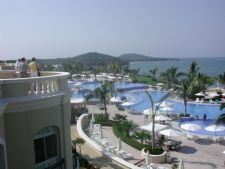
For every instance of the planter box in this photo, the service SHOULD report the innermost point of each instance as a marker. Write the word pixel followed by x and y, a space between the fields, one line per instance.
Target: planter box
pixel 161 158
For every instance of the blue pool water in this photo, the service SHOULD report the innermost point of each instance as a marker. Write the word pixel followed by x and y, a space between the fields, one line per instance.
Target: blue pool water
pixel 141 101
pixel 204 124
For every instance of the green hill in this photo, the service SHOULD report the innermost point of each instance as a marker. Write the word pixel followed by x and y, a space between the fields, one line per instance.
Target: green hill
pixel 88 59
pixel 132 57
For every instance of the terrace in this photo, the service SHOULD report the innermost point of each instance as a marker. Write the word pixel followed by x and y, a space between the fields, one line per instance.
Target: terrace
pixel 48 83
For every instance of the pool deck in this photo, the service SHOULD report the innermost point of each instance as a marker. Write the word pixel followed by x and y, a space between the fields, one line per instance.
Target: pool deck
pixel 199 155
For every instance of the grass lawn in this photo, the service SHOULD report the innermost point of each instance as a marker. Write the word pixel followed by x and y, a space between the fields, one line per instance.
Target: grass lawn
pixel 144 79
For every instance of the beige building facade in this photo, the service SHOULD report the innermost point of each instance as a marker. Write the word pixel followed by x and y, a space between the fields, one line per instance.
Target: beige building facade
pixel 35 121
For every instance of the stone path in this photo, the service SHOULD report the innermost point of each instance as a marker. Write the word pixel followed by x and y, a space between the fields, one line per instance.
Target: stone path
pixel 200 155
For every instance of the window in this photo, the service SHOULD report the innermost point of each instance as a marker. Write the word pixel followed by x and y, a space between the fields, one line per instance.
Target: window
pixel 46 145
pixel 2 157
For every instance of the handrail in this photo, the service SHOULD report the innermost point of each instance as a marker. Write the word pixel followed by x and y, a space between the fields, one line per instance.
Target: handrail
pixel 48 83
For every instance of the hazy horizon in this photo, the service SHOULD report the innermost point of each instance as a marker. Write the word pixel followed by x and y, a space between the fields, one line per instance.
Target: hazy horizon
pixel 55 29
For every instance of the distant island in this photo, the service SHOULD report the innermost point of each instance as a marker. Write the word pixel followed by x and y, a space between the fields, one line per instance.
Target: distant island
pixel 99 59
pixel 133 57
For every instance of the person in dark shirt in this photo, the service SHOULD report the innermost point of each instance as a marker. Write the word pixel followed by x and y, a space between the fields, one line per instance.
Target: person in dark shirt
pixel 204 116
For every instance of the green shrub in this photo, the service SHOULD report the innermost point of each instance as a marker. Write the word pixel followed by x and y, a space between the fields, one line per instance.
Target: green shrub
pixel 184 115
pixel 155 150
pixel 118 131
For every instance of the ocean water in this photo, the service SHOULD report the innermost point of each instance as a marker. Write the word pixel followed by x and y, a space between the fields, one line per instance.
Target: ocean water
pixel 209 66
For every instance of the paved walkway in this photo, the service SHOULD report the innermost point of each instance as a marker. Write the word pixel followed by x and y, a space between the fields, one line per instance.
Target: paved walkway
pixel 94 156
pixel 200 155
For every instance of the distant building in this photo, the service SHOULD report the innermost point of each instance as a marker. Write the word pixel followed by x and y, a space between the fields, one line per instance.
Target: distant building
pixel 35 121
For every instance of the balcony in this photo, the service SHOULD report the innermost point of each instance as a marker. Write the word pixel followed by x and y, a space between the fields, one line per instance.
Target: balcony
pixel 47 84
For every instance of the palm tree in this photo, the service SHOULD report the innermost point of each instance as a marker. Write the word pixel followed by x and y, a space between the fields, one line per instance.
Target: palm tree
pixel 171 76
pixel 120 118
pixel 115 68
pixel 128 126
pixel 184 93
pixel 142 136
pixel 193 70
pixel 153 72
pixel 102 93
pixel 154 112
pixel 78 142
pixel 222 106
pixel 222 78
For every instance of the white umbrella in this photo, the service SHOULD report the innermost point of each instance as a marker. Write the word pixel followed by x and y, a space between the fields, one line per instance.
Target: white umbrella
pixel 223 152
pixel 160 84
pixel 171 132
pixel 213 95
pixel 190 127
pixel 215 128
pixel 147 112
pixel 200 94
pixel 115 100
pixel 223 94
pixel 162 118
pixel 167 109
pixel 128 104
pixel 157 127
pixel 119 146
pixel 78 84
pixel 164 104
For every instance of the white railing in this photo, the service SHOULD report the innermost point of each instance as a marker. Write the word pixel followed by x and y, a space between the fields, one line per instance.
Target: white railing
pixel 47 83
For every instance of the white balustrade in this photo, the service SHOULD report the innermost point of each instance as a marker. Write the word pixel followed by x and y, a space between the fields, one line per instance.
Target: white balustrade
pixel 49 83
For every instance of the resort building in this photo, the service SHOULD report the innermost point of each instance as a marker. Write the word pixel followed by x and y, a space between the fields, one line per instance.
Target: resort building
pixel 35 121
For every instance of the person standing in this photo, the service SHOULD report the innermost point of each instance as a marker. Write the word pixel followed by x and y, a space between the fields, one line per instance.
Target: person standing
pixel 17 64
pixel 23 68
pixel 33 66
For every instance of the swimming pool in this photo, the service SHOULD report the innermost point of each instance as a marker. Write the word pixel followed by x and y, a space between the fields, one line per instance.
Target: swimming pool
pixel 141 101
pixel 203 124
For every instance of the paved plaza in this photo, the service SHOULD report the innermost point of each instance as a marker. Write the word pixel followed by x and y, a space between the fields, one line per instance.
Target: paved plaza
pixel 200 155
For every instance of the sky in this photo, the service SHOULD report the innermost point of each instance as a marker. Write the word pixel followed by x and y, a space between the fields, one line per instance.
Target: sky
pixel 156 28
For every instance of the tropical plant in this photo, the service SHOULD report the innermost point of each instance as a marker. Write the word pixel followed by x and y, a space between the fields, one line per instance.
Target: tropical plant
pixel 78 142
pixel 142 136
pixel 222 78
pixel 128 125
pixel 115 68
pixel 220 119
pixel 102 93
pixel 155 108
pixel 119 118
pixel 153 72
pixel 193 70
pixel 222 106
pixel 171 76
pixel 184 93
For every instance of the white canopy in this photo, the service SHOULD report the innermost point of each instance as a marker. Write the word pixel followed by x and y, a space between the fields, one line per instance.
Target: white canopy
pixel 160 84
pixel 78 84
pixel 215 128
pixel 115 100
pixel 171 132
pixel 223 94
pixel 164 104
pixel 158 127
pixel 200 94
pixel 213 95
pixel 162 118
pixel 147 112
pixel 77 100
pixel 167 109
pixel 190 127
pixel 128 104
